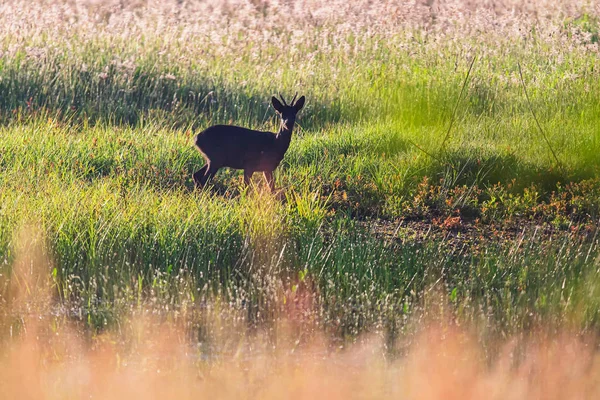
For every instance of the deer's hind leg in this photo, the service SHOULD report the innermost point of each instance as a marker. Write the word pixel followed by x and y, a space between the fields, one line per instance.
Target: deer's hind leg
pixel 210 172
pixel 203 175
pixel 248 176
pixel 199 175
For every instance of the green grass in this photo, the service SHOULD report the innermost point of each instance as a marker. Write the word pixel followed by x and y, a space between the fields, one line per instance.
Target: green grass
pixel 97 152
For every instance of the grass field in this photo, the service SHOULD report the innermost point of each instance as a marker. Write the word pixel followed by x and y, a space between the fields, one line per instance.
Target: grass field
pixel 444 171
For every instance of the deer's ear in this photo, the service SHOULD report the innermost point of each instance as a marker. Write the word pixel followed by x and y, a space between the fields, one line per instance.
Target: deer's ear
pixel 277 104
pixel 299 104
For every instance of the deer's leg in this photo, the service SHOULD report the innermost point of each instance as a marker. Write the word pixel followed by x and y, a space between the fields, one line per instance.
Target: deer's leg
pixel 270 181
pixel 210 172
pixel 247 176
pixel 198 175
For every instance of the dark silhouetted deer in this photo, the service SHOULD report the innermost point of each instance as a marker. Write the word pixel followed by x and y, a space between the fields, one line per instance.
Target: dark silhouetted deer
pixel 242 148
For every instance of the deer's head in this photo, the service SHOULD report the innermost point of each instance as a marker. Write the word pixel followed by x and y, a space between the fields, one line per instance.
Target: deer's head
pixel 287 112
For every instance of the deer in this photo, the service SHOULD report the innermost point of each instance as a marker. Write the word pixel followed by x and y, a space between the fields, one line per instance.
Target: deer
pixel 250 150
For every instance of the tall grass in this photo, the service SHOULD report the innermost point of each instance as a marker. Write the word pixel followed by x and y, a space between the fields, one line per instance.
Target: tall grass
pixel 442 363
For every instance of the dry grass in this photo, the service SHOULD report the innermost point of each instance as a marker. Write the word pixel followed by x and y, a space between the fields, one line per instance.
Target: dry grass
pixel 443 363
pixel 153 356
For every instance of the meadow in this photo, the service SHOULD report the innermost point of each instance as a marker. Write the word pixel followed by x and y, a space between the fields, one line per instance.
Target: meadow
pixel 444 172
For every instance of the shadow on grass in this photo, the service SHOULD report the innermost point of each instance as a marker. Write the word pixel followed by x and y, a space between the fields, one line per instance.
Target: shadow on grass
pixel 339 146
pixel 461 168
pixel 147 97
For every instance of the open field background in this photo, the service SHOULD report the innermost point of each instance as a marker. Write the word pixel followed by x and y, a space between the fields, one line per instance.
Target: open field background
pixel 418 187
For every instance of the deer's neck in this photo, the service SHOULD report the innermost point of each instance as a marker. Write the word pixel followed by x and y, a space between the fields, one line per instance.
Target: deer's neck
pixel 284 137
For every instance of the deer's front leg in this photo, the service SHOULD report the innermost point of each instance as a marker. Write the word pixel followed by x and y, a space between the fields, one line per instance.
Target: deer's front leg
pixel 247 176
pixel 270 181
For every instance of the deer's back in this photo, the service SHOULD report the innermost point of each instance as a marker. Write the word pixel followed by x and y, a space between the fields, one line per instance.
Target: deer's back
pixel 237 147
